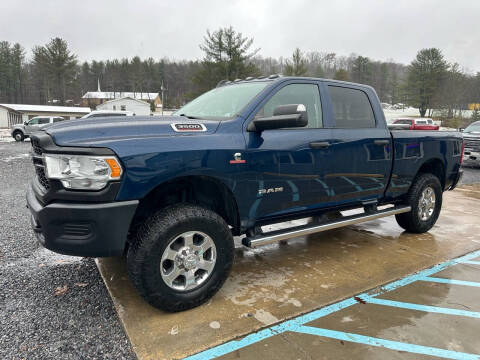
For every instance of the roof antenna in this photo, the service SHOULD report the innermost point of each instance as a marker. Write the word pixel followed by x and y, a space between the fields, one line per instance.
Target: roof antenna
pixel 98 89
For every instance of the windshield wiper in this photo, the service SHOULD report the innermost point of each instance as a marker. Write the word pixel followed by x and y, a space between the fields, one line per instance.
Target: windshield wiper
pixel 189 116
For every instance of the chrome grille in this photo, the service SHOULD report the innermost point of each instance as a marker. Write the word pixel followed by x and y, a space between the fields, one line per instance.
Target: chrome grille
pixel 37 159
pixel 472 143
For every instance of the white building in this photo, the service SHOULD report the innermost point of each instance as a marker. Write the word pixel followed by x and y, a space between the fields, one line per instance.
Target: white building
pixel 12 114
pixel 138 107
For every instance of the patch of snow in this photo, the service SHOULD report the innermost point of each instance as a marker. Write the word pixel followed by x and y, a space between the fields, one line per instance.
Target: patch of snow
pixel 174 330
pixel 15 157
pixel 5 135
pixel 265 317
pixel 215 325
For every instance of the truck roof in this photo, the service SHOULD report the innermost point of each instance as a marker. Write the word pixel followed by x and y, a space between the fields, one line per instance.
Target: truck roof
pixel 281 78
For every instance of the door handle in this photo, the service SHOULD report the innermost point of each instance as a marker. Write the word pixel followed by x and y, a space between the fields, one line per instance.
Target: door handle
pixel 319 144
pixel 381 142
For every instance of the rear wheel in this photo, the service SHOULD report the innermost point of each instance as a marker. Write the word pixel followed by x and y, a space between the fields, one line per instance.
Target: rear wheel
pixel 425 199
pixel 181 257
pixel 18 136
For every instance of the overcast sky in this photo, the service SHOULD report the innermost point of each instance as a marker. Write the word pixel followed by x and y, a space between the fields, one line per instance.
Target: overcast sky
pixel 381 30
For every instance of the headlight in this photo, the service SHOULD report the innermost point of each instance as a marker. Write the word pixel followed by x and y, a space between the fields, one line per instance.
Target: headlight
pixel 82 172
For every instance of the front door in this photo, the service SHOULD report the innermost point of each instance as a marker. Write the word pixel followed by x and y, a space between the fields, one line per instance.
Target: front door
pixel 286 162
pixel 36 124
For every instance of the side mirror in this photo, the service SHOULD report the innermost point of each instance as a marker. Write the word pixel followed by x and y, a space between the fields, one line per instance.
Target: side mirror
pixel 284 116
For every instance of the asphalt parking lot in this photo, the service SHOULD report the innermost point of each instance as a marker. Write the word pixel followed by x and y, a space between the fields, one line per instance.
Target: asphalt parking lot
pixel 54 306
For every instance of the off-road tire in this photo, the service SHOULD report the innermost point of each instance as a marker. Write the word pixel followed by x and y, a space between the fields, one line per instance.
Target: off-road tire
pixel 411 221
pixel 20 136
pixel 154 235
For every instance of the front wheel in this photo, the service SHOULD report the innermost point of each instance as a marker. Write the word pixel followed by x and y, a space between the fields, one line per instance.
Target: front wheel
pixel 18 136
pixel 181 257
pixel 425 199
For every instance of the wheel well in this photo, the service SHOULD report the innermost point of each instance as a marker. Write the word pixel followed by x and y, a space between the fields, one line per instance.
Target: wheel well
pixel 435 167
pixel 199 190
pixel 18 130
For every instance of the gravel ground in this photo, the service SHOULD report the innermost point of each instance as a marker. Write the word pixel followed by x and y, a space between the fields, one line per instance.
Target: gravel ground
pixel 54 306
pixel 51 306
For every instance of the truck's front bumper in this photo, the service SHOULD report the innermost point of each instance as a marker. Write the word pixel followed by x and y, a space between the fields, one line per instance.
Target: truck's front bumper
pixel 82 229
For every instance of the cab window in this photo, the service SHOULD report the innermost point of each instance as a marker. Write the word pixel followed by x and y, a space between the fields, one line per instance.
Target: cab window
pixel 351 108
pixel 42 121
pixel 306 94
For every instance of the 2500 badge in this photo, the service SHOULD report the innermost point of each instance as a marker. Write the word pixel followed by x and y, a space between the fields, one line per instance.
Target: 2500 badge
pixel 188 127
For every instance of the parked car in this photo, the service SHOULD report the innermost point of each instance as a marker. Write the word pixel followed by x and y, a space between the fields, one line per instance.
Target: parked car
pixel 471 137
pixel 21 131
pixel 414 124
pixel 107 113
pixel 172 192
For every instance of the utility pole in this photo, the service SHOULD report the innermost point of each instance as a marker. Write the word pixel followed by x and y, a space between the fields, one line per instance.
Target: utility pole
pixel 162 90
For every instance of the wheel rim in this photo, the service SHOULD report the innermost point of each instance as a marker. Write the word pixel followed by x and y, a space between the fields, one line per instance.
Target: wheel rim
pixel 426 204
pixel 18 137
pixel 188 260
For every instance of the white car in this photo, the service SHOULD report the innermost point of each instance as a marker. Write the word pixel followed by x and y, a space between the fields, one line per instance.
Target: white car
pixel 107 113
pixel 21 131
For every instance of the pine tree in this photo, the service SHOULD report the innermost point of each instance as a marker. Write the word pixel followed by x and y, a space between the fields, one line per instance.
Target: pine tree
pixel 297 66
pixel 56 68
pixel 425 75
pixel 227 57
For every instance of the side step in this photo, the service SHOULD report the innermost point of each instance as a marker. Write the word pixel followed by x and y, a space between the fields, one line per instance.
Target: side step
pixel 279 235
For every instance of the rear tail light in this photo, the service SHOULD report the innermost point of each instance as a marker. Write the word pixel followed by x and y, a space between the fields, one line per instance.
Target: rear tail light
pixel 463 149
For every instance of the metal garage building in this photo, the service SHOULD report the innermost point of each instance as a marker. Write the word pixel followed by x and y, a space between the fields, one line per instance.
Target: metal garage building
pixel 11 114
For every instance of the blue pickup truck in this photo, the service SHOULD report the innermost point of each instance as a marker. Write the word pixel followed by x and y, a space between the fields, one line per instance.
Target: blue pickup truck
pixel 171 192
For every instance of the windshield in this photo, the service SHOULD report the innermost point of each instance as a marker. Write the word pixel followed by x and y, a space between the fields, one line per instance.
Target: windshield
pixel 223 102
pixel 473 128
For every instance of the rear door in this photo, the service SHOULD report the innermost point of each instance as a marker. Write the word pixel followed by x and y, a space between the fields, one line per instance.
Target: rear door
pixel 360 145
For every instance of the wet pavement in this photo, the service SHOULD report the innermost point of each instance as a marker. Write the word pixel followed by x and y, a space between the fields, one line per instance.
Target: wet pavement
pixel 270 285
pixel 410 318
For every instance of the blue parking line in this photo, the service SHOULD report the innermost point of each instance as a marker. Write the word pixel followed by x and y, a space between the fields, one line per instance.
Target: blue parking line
pixel 419 307
pixel 471 262
pixel 289 325
pixel 450 281
pixel 297 323
pixel 389 344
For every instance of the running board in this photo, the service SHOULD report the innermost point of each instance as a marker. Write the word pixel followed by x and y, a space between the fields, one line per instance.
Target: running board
pixel 279 235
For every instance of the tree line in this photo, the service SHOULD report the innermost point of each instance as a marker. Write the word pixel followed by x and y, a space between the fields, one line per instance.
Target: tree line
pixel 54 75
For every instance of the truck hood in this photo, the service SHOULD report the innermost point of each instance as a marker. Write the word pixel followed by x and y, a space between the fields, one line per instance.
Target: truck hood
pixel 99 131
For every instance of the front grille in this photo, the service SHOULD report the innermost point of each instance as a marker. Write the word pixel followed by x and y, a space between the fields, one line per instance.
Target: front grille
pixel 37 159
pixel 472 143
